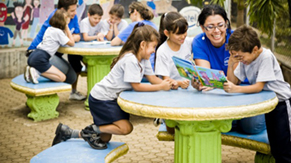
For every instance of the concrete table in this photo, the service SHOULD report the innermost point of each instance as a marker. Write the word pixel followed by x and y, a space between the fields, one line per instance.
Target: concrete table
pixel 198 117
pixel 98 58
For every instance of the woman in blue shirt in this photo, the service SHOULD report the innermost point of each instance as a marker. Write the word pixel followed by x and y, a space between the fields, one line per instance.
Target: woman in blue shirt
pixel 209 50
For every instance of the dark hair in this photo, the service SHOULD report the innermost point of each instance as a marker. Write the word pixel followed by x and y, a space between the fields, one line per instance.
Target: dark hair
pixel 95 9
pixel 142 9
pixel 173 22
pixel 139 33
pixel 117 10
pixel 243 39
pixel 58 19
pixel 17 4
pixel 209 10
pixel 66 4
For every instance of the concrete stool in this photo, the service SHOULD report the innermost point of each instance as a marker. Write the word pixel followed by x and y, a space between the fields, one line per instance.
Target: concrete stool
pixel 79 151
pixel 258 142
pixel 42 98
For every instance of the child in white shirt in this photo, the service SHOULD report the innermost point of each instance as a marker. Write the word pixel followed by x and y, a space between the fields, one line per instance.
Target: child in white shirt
pixel 91 26
pixel 56 35
pixel 260 67
pixel 127 71
pixel 115 23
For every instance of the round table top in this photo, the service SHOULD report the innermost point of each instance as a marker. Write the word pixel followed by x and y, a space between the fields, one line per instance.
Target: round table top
pixel 189 104
pixel 90 48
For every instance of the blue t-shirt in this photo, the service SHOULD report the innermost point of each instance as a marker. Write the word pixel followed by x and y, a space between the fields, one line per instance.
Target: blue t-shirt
pixel 127 31
pixel 4 35
pixel 217 57
pixel 73 26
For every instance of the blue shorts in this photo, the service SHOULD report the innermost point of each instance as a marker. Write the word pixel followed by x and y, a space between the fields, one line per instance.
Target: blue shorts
pixel 106 112
pixel 39 59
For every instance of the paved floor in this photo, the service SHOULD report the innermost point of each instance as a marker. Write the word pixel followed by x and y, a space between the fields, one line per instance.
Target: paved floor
pixel 21 138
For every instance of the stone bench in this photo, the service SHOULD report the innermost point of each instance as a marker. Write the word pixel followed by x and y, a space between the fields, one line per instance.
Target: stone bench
pixel 42 98
pixel 77 150
pixel 258 142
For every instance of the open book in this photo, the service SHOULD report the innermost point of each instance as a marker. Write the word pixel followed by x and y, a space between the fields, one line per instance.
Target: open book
pixel 207 77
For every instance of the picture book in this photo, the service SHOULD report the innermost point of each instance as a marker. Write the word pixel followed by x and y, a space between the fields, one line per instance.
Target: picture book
pixel 207 77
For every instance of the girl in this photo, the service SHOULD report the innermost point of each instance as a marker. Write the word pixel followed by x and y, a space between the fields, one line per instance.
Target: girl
pixel 56 35
pixel 115 24
pixel 126 73
pixel 173 32
pixel 209 49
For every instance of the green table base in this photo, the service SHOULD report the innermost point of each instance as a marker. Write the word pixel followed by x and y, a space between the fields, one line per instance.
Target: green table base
pixel 198 141
pixel 97 68
pixel 43 107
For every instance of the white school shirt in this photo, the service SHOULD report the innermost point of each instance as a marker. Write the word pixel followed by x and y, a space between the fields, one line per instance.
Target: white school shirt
pixel 121 26
pixel 165 65
pixel 127 70
pixel 52 39
pixel 265 69
pixel 86 27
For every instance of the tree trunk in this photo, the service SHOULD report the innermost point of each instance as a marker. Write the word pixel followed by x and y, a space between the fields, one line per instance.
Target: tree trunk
pixel 240 13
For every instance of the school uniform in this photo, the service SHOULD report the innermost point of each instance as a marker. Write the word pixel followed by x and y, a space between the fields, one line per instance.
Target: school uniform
pixel 103 96
pixel 165 65
pixel 266 69
pixel 86 27
pixel 121 26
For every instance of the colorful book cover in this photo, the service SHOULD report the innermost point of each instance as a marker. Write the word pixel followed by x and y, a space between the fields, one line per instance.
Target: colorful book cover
pixel 207 77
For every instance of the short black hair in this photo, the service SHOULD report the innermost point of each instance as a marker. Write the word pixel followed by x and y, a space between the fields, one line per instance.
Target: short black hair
pixel 95 9
pixel 66 4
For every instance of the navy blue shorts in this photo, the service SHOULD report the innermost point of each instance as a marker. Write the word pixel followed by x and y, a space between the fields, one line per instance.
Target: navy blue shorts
pixel 106 112
pixel 39 59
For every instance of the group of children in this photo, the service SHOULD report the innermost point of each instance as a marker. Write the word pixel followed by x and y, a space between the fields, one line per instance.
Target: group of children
pixel 247 60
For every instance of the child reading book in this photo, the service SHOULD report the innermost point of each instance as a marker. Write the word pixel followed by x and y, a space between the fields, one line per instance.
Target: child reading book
pixel 263 71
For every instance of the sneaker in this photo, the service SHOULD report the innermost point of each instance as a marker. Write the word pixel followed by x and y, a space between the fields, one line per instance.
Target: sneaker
pixel 157 121
pixel 77 96
pixel 63 133
pixel 34 75
pixel 26 75
pixel 93 138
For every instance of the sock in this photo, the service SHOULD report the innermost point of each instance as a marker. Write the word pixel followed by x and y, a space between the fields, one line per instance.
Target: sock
pixel 74 90
pixel 96 129
pixel 75 134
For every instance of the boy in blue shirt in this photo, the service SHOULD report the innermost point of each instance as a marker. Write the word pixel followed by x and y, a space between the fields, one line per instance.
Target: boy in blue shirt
pixel 75 60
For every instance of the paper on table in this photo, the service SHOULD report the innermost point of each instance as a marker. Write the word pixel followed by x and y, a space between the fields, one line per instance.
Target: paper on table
pixel 97 42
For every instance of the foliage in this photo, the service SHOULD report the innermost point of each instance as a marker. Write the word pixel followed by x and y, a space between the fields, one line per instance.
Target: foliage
pixel 264 13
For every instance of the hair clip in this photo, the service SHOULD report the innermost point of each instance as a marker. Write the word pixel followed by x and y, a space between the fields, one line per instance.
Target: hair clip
pixel 139 24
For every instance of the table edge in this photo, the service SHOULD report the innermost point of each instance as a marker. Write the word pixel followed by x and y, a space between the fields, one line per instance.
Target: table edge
pixel 197 114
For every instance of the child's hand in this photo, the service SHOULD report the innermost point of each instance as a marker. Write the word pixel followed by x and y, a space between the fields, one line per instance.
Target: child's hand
pixel 184 84
pixel 229 87
pixel 100 37
pixel 166 85
pixel 175 84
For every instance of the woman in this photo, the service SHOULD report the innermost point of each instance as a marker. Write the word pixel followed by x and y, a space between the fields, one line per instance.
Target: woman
pixel 209 50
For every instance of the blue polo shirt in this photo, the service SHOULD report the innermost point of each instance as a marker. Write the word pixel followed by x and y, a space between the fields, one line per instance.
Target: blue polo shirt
pixel 73 26
pixel 217 57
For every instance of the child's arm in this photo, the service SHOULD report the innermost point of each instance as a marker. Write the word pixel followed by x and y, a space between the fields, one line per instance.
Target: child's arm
pixel 232 64
pixel 140 87
pixel 89 38
pixel 71 41
pixel 232 88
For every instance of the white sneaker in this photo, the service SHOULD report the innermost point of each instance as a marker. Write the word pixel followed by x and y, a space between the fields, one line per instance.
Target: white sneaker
pixel 34 75
pixel 77 96
pixel 26 75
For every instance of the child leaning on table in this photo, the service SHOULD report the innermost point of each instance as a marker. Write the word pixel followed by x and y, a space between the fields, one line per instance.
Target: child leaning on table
pixel 39 60
pixel 91 26
pixel 260 67
pixel 114 24
pixel 126 73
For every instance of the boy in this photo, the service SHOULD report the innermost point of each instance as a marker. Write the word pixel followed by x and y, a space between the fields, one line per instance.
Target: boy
pixel 91 26
pixel 115 23
pixel 75 60
pixel 261 68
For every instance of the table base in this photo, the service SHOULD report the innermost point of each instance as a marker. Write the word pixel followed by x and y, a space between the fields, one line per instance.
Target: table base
pixel 198 141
